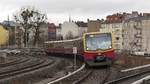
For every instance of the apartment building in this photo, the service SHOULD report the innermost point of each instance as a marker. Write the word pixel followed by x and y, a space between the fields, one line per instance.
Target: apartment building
pixel 116 28
pixel 136 34
pixel 116 23
pixel 113 23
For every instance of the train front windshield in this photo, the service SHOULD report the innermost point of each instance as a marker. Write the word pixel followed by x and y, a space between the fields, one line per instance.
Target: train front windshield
pixel 98 41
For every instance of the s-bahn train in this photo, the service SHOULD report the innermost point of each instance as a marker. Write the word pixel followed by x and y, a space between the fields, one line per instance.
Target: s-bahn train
pixel 95 48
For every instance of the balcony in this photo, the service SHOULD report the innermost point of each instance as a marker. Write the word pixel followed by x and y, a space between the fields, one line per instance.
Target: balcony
pixel 138 43
pixel 137 27
pixel 138 35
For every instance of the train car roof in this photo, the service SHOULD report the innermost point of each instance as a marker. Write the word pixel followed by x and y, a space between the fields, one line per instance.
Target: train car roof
pixel 96 33
pixel 64 40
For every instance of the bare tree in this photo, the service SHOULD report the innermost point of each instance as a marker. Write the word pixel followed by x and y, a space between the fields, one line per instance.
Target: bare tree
pixel 37 20
pixel 23 17
pixel 30 18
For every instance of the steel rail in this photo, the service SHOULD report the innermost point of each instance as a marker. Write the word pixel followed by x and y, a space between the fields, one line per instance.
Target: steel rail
pixel 70 74
pixel 127 77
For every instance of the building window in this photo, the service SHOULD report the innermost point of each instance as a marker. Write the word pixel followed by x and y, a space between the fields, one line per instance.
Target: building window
pixel 122 35
pixel 117 38
pixel 116 18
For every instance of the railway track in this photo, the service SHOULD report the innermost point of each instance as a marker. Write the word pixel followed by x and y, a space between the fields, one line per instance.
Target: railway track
pixel 21 66
pixel 130 78
pixel 98 76
pixel 78 81
pixel 84 76
pixel 24 69
pixel 130 75
pixel 109 75
pixel 29 67
pixel 26 63
pixel 16 60
pixel 69 78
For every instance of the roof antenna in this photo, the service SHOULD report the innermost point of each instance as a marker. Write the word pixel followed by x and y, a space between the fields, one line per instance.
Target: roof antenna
pixel 8 21
pixel 69 18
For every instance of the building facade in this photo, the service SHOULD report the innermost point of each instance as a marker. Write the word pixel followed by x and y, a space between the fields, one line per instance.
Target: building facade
pixel 116 23
pixel 116 28
pixel 58 32
pixel 136 34
pixel 93 25
pixel 4 36
pixel 51 31
pixel 19 36
pixel 43 33
pixel 82 27
pixel 69 30
pixel 15 33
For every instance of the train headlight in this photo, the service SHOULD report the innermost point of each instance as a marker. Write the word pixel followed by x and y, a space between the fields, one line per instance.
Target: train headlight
pixel 91 35
pixel 87 48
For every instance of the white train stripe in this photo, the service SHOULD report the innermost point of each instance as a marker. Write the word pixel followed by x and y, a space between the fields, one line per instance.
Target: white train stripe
pixel 63 40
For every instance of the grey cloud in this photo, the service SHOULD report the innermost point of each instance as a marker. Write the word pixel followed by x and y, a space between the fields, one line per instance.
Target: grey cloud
pixel 83 8
pixel 59 6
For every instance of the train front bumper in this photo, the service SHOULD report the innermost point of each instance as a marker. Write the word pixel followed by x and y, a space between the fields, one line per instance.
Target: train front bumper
pixel 100 58
pixel 98 63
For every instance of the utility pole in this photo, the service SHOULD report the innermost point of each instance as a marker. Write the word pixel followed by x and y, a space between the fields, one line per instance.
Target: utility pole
pixel 8 25
pixel 75 57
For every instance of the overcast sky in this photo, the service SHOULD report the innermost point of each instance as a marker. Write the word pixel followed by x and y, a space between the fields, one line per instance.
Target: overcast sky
pixel 59 10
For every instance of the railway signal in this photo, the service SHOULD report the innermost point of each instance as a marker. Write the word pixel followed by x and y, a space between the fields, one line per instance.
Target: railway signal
pixel 75 56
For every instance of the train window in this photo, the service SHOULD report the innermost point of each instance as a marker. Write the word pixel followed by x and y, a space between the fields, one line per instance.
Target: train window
pixel 98 41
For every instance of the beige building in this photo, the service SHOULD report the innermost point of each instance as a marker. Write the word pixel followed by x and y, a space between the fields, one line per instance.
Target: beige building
pixel 93 25
pixel 19 31
pixel 136 34
pixel 58 32
pixel 116 28
pixel 4 35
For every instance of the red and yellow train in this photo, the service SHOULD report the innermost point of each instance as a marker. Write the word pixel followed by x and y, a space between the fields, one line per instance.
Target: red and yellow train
pixel 95 48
